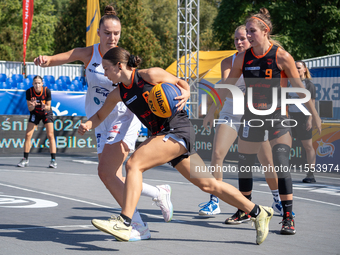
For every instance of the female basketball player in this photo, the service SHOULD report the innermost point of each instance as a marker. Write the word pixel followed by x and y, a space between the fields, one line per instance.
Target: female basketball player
pixel 226 134
pixel 264 66
pixel 303 130
pixel 117 135
pixel 39 104
pixel 171 141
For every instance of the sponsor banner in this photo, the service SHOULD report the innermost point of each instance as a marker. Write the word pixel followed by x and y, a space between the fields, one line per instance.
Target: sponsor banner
pixel 205 138
pixel 63 103
pixel 27 17
pixel 328 89
pixel 92 22
pixel 13 131
pixel 327 145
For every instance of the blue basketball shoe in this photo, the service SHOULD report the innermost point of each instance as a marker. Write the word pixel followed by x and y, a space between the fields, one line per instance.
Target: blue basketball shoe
pixel 209 209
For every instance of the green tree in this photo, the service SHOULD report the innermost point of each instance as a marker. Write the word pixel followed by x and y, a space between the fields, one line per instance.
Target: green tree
pixel 71 29
pixel 41 39
pixel 161 18
pixel 136 37
pixel 208 13
pixel 305 29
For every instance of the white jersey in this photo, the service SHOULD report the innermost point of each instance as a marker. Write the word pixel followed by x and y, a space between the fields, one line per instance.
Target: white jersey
pixel 99 86
pixel 228 103
pixel 121 124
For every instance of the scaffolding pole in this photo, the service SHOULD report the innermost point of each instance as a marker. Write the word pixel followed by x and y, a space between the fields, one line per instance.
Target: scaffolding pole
pixel 188 49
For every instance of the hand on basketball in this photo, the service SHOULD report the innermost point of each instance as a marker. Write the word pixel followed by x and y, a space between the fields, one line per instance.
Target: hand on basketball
pixel 41 61
pixel 83 128
pixel 182 98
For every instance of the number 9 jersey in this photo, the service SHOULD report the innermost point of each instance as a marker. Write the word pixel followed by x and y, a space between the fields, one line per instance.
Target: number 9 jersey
pixel 262 74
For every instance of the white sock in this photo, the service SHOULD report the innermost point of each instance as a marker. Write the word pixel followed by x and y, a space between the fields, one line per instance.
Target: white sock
pixel 276 195
pixel 150 191
pixel 136 217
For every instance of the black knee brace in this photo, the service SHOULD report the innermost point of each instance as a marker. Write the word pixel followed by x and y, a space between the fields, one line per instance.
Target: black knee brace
pixel 281 164
pixel 245 175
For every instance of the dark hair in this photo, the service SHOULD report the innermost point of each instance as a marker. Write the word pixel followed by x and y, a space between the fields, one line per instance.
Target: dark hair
pixel 38 77
pixel 110 13
pixel 307 73
pixel 120 55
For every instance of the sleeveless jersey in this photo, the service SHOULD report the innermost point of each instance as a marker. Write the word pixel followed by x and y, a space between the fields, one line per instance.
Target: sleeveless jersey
pixel 228 103
pixel 99 86
pixel 308 85
pixel 135 97
pixel 262 74
pixel 43 97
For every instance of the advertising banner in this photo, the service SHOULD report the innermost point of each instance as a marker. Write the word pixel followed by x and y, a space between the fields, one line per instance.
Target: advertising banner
pixel 27 16
pixel 92 22
pixel 327 145
pixel 13 130
pixel 63 103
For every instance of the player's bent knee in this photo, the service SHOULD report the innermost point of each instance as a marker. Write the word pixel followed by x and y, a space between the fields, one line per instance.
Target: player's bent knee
pixel 132 166
pixel 205 186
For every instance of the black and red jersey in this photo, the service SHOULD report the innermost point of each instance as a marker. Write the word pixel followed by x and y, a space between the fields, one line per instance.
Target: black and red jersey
pixel 135 97
pixel 262 74
pixel 42 97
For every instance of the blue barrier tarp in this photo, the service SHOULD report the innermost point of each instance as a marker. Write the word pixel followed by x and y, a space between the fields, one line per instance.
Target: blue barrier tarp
pixel 13 102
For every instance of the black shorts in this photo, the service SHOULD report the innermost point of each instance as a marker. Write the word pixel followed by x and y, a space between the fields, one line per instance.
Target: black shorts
pixel 299 131
pixel 36 118
pixel 185 132
pixel 253 127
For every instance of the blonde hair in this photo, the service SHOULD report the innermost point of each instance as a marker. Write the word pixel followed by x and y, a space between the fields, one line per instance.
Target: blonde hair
pixel 240 28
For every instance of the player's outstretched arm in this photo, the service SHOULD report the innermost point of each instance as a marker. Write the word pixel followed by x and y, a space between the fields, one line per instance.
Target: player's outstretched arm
pixel 110 103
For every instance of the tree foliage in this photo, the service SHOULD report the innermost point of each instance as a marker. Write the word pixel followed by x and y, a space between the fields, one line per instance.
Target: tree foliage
pixel 71 29
pixel 305 29
pixel 208 12
pixel 136 37
pixel 161 18
pixel 41 40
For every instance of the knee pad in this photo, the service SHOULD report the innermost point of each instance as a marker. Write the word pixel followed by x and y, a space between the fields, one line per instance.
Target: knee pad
pixel 281 164
pixel 245 175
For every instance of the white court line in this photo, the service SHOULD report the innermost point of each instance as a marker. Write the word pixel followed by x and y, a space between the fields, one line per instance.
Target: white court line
pixel 185 183
pixel 58 196
pixel 265 192
pixel 302 198
pixel 45 172
pixel 55 227
pixel 50 172
pixel 73 199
